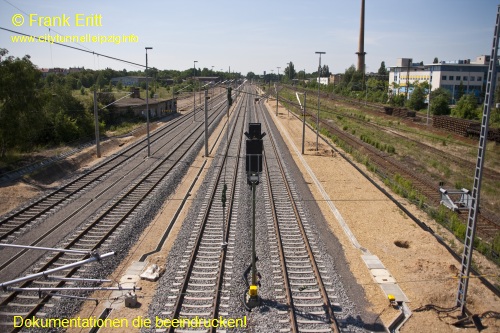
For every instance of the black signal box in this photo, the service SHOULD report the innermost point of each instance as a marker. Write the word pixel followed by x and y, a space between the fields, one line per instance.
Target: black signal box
pixel 254 156
pixel 254 131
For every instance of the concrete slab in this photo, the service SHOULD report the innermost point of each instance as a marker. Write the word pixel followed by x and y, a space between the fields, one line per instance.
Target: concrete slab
pixel 393 289
pixel 380 272
pixel 136 268
pixel 384 278
pixel 130 279
pixel 372 261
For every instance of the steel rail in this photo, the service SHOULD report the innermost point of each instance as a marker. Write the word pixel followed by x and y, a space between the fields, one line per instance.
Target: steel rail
pixel 66 192
pixel 324 295
pixel 206 214
pixel 110 229
pixel 487 225
pixel 62 222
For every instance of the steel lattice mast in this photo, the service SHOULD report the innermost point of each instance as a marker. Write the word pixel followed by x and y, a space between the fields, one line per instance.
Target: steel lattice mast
pixel 474 210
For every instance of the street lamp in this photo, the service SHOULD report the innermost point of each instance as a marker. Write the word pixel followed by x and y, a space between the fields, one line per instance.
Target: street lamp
pixel 194 90
pixel 319 79
pixel 147 99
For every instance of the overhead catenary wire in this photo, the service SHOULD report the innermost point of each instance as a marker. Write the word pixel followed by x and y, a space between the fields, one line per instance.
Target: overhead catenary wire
pixel 73 47
pixel 49 28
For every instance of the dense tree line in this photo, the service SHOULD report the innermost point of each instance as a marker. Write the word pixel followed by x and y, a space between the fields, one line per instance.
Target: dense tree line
pixel 37 111
pixel 34 111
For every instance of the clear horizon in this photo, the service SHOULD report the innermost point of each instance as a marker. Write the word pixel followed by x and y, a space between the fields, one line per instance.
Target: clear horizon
pixel 252 36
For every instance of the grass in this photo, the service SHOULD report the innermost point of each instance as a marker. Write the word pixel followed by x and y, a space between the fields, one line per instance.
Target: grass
pixel 430 163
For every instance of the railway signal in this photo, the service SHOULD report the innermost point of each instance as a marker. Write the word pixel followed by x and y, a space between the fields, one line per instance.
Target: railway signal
pixel 254 148
pixel 229 97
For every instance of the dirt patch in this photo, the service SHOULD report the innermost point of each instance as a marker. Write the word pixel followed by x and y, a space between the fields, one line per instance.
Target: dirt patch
pixel 402 244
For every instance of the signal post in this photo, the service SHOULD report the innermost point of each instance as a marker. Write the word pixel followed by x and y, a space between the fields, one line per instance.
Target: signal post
pixel 254 148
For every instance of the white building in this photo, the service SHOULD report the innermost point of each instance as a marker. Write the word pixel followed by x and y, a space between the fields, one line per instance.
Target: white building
pixel 472 75
pixel 323 80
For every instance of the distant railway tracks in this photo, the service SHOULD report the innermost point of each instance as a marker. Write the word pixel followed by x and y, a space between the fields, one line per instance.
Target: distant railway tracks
pixel 488 225
pixel 91 209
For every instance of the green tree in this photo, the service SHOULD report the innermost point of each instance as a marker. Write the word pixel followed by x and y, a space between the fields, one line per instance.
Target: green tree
pixel 65 118
pixel 417 98
pixel 495 112
pixel 290 71
pixel 382 70
pixel 19 102
pixel 435 61
pixel 397 100
pixel 325 71
pixel 251 75
pixel 440 99
pixel 466 107
pixel 101 81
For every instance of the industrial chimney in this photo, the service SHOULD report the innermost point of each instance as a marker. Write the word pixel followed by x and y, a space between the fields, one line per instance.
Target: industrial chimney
pixel 361 46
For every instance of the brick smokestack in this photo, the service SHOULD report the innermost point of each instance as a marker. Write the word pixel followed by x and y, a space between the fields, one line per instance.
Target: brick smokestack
pixel 361 46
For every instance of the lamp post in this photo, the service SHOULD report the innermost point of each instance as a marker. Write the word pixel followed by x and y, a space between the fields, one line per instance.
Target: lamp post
pixel 147 99
pixel 319 79
pixel 194 90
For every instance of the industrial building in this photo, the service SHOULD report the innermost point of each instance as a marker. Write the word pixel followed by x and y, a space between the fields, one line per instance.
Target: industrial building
pixel 450 75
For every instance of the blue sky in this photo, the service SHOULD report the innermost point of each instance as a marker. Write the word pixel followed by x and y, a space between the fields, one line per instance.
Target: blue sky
pixel 256 35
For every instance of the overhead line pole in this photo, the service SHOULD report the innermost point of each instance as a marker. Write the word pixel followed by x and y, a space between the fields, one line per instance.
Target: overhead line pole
pixel 194 90
pixel 464 275
pixel 319 82
pixel 147 100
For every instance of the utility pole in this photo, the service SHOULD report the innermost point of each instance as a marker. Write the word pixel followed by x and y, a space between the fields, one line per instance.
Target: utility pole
pixel 319 82
pixel 147 99
pixel 206 123
pixel 96 121
pixel 303 118
pixel 464 275
pixel 277 90
pixel 194 90
pixel 304 123
pixel 429 100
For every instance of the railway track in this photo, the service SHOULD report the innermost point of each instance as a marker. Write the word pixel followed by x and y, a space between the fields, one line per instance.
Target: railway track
pixel 86 199
pixel 199 290
pixel 386 165
pixel 298 289
pixel 27 216
pixel 377 109
pixel 116 214
pixel 306 285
